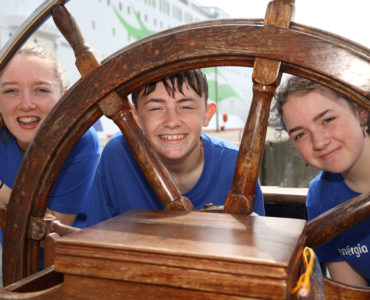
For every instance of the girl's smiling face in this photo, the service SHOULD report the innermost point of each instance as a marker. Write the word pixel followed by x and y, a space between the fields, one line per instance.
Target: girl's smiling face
pixel 325 130
pixel 29 89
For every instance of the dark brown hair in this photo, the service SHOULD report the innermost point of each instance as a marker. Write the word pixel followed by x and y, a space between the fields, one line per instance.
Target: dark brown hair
pixel 195 79
pixel 301 86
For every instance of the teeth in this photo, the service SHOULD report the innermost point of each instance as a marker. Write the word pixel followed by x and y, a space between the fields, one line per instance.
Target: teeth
pixel 172 137
pixel 28 120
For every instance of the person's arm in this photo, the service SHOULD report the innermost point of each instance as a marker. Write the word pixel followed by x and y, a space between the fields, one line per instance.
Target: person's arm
pixel 101 205
pixel 69 196
pixel 259 205
pixel 342 272
pixel 66 219
pixel 4 193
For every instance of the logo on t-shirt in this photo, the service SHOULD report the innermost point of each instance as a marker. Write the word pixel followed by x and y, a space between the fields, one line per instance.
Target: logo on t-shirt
pixel 357 250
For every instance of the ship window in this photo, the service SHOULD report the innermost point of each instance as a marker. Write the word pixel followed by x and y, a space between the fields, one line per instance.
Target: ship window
pixel 150 2
pixel 128 10
pixel 113 31
pixel 108 2
pixel 93 25
pixel 177 13
pixel 188 17
pixel 164 6
pixel 120 6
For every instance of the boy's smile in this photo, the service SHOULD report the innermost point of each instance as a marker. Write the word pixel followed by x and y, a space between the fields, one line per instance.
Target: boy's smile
pixel 173 123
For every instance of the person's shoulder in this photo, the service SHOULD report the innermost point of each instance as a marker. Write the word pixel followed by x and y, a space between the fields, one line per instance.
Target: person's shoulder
pixel 117 141
pixel 117 146
pixel 324 186
pixel 325 178
pixel 218 143
pixel 8 145
pixel 89 143
pixel 90 136
pixel 6 137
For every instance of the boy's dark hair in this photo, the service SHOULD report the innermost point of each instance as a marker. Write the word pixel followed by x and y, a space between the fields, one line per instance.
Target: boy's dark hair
pixel 195 79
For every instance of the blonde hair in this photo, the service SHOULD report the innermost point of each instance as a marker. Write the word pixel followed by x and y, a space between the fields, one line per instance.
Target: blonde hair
pixel 37 50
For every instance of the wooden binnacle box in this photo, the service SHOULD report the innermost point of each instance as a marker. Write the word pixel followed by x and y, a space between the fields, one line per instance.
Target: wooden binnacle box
pixel 150 254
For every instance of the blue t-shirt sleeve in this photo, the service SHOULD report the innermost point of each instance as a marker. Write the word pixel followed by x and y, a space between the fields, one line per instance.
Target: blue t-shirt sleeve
pixel 102 205
pixel 99 208
pixel 259 205
pixel 70 191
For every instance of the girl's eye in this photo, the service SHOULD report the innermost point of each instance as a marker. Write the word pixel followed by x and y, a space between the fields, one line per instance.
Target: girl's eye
pixel 42 90
pixel 328 120
pixel 299 136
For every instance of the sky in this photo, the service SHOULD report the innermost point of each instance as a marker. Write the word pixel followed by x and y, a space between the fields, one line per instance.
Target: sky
pixel 348 18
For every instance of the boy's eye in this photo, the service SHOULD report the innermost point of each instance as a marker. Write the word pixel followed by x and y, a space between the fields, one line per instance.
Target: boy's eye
pixel 154 108
pixel 9 91
pixel 186 107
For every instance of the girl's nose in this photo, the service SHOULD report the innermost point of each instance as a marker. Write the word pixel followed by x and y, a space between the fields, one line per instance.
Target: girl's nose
pixel 26 102
pixel 319 140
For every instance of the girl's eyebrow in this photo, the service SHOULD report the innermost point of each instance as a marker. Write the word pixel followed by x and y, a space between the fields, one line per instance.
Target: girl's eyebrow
pixel 320 115
pixel 8 83
pixel 36 83
pixel 317 117
pixel 294 129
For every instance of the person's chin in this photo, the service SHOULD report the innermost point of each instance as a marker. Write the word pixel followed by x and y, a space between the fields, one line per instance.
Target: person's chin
pixel 172 156
pixel 339 167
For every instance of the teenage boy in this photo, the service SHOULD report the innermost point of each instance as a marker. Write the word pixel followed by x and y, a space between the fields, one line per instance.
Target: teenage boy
pixel 171 113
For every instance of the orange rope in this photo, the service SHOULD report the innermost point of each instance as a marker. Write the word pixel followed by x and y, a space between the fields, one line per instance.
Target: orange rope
pixel 304 279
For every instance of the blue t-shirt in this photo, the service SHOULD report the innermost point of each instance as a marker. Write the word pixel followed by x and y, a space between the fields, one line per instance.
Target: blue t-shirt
pixel 69 194
pixel 326 191
pixel 120 185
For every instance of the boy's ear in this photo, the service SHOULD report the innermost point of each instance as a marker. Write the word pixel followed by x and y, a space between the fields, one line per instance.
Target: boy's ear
pixel 210 111
pixel 136 117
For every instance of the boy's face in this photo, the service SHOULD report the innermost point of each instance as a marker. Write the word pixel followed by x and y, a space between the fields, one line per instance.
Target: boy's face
pixel 173 124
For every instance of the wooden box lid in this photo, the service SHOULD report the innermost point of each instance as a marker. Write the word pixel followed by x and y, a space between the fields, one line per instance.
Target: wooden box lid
pixel 221 253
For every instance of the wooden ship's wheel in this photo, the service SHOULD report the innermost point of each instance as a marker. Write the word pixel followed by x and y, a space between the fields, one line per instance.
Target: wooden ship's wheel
pixel 271 46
